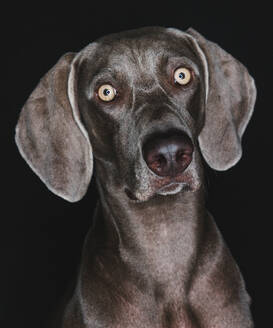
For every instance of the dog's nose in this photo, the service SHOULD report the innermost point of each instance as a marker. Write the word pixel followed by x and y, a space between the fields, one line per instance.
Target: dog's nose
pixel 168 154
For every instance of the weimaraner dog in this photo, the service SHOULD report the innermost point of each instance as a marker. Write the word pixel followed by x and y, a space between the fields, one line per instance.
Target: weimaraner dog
pixel 148 105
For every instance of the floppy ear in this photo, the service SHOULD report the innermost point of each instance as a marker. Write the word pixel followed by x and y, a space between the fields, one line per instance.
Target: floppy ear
pixel 50 136
pixel 231 95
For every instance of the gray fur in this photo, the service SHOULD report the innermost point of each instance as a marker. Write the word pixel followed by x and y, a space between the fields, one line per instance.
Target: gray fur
pixel 154 257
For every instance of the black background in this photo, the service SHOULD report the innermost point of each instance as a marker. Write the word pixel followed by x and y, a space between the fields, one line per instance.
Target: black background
pixel 41 234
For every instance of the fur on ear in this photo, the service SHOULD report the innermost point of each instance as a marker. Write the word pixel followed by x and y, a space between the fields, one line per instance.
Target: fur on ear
pixel 50 136
pixel 231 96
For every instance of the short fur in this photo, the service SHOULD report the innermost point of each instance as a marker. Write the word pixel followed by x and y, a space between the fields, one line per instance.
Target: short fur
pixel 153 257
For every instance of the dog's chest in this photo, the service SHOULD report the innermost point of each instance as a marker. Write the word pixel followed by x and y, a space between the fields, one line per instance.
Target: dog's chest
pixel 141 312
pixel 155 317
pixel 119 298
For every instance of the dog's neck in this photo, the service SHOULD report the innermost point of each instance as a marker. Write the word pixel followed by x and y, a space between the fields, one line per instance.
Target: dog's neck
pixel 158 238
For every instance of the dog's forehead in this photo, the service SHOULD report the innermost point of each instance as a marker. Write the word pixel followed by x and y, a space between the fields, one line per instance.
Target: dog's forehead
pixel 143 48
pixel 144 45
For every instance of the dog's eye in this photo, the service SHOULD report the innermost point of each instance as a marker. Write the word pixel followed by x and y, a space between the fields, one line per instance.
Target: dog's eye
pixel 106 92
pixel 182 75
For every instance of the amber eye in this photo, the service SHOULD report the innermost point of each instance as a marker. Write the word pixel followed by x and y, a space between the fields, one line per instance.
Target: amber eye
pixel 106 92
pixel 182 75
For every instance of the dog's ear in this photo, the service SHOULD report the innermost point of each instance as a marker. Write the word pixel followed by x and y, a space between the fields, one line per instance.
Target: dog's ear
pixel 231 95
pixel 51 137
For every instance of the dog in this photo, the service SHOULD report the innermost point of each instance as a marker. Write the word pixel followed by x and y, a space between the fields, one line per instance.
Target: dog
pixel 148 106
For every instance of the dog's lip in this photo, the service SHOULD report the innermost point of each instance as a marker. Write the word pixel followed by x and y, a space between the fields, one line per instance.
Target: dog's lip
pixel 163 186
pixel 130 195
pixel 171 188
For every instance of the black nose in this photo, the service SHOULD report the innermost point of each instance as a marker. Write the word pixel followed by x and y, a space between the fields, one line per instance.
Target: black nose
pixel 168 154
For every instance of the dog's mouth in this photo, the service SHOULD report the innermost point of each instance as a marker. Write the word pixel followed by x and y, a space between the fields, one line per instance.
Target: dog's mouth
pixel 130 195
pixel 164 187
pixel 173 188
pixel 166 166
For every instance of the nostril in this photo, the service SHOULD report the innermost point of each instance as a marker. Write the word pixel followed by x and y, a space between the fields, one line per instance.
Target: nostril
pixel 158 163
pixel 180 155
pixel 183 155
pixel 183 159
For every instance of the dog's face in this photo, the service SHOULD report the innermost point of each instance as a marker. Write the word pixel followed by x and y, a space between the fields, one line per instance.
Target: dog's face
pixel 146 103
pixel 142 95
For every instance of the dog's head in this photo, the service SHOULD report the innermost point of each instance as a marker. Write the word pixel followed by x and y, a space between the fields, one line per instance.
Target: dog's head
pixel 145 103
